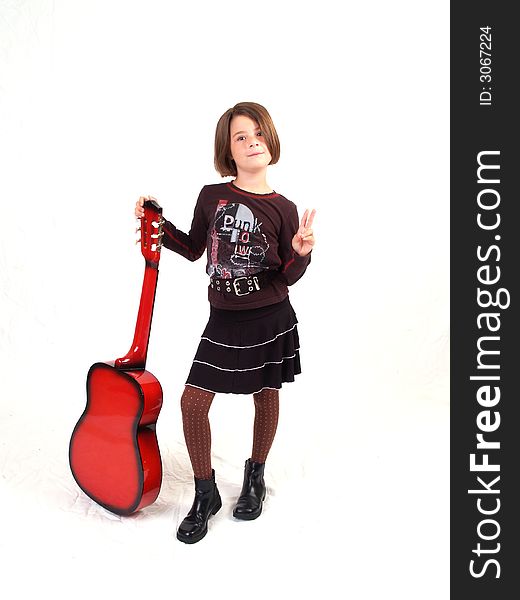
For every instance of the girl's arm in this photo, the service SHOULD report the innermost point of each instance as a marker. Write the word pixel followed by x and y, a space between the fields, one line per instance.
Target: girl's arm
pixel 190 245
pixel 294 264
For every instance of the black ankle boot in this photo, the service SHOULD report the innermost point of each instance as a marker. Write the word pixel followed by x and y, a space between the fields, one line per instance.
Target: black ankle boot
pixel 207 502
pixel 249 505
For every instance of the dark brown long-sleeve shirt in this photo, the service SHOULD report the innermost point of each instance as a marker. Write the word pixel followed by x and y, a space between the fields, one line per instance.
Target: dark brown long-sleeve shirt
pixel 243 234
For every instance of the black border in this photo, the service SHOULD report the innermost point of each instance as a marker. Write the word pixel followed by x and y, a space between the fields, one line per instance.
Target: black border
pixel 476 128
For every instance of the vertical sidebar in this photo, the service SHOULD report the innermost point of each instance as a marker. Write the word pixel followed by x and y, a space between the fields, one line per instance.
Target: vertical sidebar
pixel 485 252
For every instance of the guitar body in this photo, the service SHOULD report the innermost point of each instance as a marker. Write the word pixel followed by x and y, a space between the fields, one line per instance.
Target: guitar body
pixel 114 455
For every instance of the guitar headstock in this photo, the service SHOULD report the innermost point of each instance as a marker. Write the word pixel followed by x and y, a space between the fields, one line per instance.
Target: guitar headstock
pixel 151 231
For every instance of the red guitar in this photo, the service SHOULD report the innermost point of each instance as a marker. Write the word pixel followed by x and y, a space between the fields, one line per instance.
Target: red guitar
pixel 113 454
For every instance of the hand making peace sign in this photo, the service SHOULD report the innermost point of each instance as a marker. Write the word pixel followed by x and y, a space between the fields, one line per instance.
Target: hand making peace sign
pixel 303 240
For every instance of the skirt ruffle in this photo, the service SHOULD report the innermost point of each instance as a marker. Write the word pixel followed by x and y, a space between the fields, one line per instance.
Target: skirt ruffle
pixel 243 352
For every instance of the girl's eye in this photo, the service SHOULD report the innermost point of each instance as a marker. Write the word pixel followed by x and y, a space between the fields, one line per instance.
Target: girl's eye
pixel 259 133
pixel 240 138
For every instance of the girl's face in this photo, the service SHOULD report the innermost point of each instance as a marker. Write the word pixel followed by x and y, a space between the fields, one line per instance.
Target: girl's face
pixel 248 147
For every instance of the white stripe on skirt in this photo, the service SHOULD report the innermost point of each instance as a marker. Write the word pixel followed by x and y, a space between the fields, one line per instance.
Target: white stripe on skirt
pixel 214 392
pixel 254 345
pixel 274 362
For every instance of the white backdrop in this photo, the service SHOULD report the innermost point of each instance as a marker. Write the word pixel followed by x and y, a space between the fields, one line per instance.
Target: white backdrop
pixel 101 102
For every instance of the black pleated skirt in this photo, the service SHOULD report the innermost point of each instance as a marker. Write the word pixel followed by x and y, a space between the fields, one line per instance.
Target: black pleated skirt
pixel 245 351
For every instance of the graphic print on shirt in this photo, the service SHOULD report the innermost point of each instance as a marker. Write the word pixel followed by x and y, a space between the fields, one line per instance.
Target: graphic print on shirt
pixel 238 246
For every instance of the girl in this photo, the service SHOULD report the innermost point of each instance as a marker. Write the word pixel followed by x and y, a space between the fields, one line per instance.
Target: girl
pixel 255 248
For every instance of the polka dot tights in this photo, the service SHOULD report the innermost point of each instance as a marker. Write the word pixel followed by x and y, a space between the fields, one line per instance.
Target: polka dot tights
pixel 266 422
pixel 195 405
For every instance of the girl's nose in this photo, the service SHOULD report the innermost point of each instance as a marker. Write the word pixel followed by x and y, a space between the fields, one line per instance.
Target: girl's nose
pixel 253 142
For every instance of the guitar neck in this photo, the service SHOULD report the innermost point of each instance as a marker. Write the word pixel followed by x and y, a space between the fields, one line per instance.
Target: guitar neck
pixel 135 358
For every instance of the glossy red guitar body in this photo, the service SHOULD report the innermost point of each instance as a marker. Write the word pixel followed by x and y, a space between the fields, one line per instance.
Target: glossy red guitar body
pixel 114 455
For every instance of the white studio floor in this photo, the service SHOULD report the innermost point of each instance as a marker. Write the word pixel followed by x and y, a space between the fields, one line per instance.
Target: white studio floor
pixel 355 511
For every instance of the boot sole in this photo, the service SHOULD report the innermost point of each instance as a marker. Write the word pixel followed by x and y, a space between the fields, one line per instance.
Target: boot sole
pixel 196 538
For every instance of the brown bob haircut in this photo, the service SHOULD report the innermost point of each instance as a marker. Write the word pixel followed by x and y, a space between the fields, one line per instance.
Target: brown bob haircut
pixel 224 162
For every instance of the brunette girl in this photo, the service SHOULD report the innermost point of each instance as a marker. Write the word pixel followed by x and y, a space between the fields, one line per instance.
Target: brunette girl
pixel 255 248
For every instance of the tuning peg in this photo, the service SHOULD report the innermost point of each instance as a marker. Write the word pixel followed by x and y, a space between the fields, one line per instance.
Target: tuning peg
pixel 137 241
pixel 138 229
